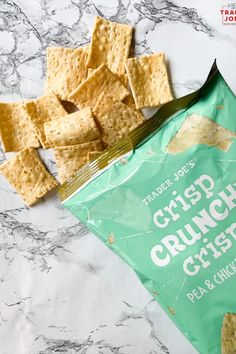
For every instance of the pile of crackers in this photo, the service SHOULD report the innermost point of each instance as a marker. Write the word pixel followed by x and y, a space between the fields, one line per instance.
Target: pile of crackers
pixel 107 90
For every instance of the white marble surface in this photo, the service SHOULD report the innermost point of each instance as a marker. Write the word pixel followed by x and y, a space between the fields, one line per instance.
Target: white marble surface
pixel 61 290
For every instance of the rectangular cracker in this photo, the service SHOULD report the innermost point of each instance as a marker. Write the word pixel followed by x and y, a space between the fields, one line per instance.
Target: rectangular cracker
pixel 110 45
pixel 28 176
pixel 66 69
pixel 115 119
pixel 70 159
pixel 198 129
pixel 101 80
pixel 16 129
pixel 75 128
pixel 228 334
pixel 43 110
pixel 148 80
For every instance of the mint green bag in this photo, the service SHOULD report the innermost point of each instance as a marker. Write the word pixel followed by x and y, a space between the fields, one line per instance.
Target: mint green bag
pixel 172 215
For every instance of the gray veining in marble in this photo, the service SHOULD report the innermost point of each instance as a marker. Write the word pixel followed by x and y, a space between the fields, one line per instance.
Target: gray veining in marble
pixel 61 290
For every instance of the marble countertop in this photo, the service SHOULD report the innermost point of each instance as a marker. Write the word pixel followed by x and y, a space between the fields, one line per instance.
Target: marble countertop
pixel 61 289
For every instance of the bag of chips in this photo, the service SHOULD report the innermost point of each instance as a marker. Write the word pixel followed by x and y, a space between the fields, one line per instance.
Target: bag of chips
pixel 164 199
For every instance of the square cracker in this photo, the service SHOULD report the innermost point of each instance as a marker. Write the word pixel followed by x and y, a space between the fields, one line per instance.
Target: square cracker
pixel 228 334
pixel 75 128
pixel 198 129
pixel 70 159
pixel 100 80
pixel 115 119
pixel 66 69
pixel 28 176
pixel 42 110
pixel 16 129
pixel 148 80
pixel 110 45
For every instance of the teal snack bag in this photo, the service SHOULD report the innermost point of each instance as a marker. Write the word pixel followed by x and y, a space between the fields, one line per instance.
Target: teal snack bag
pixel 164 200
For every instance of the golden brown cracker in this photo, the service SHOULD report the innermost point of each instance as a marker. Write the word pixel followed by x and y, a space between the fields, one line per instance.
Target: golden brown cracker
pixel 101 80
pixel 66 69
pixel 16 129
pixel 148 80
pixel 75 128
pixel 110 45
pixel 43 110
pixel 28 176
pixel 115 118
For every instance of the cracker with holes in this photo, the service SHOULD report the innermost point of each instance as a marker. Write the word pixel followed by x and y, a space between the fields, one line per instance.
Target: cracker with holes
pixel 100 80
pixel 42 110
pixel 16 129
pixel 228 334
pixel 110 45
pixel 71 158
pixel 75 128
pixel 148 80
pixel 115 119
pixel 28 176
pixel 66 69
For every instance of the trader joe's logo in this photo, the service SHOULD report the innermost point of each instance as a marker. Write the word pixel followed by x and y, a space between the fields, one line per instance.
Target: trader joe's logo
pixel 228 14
